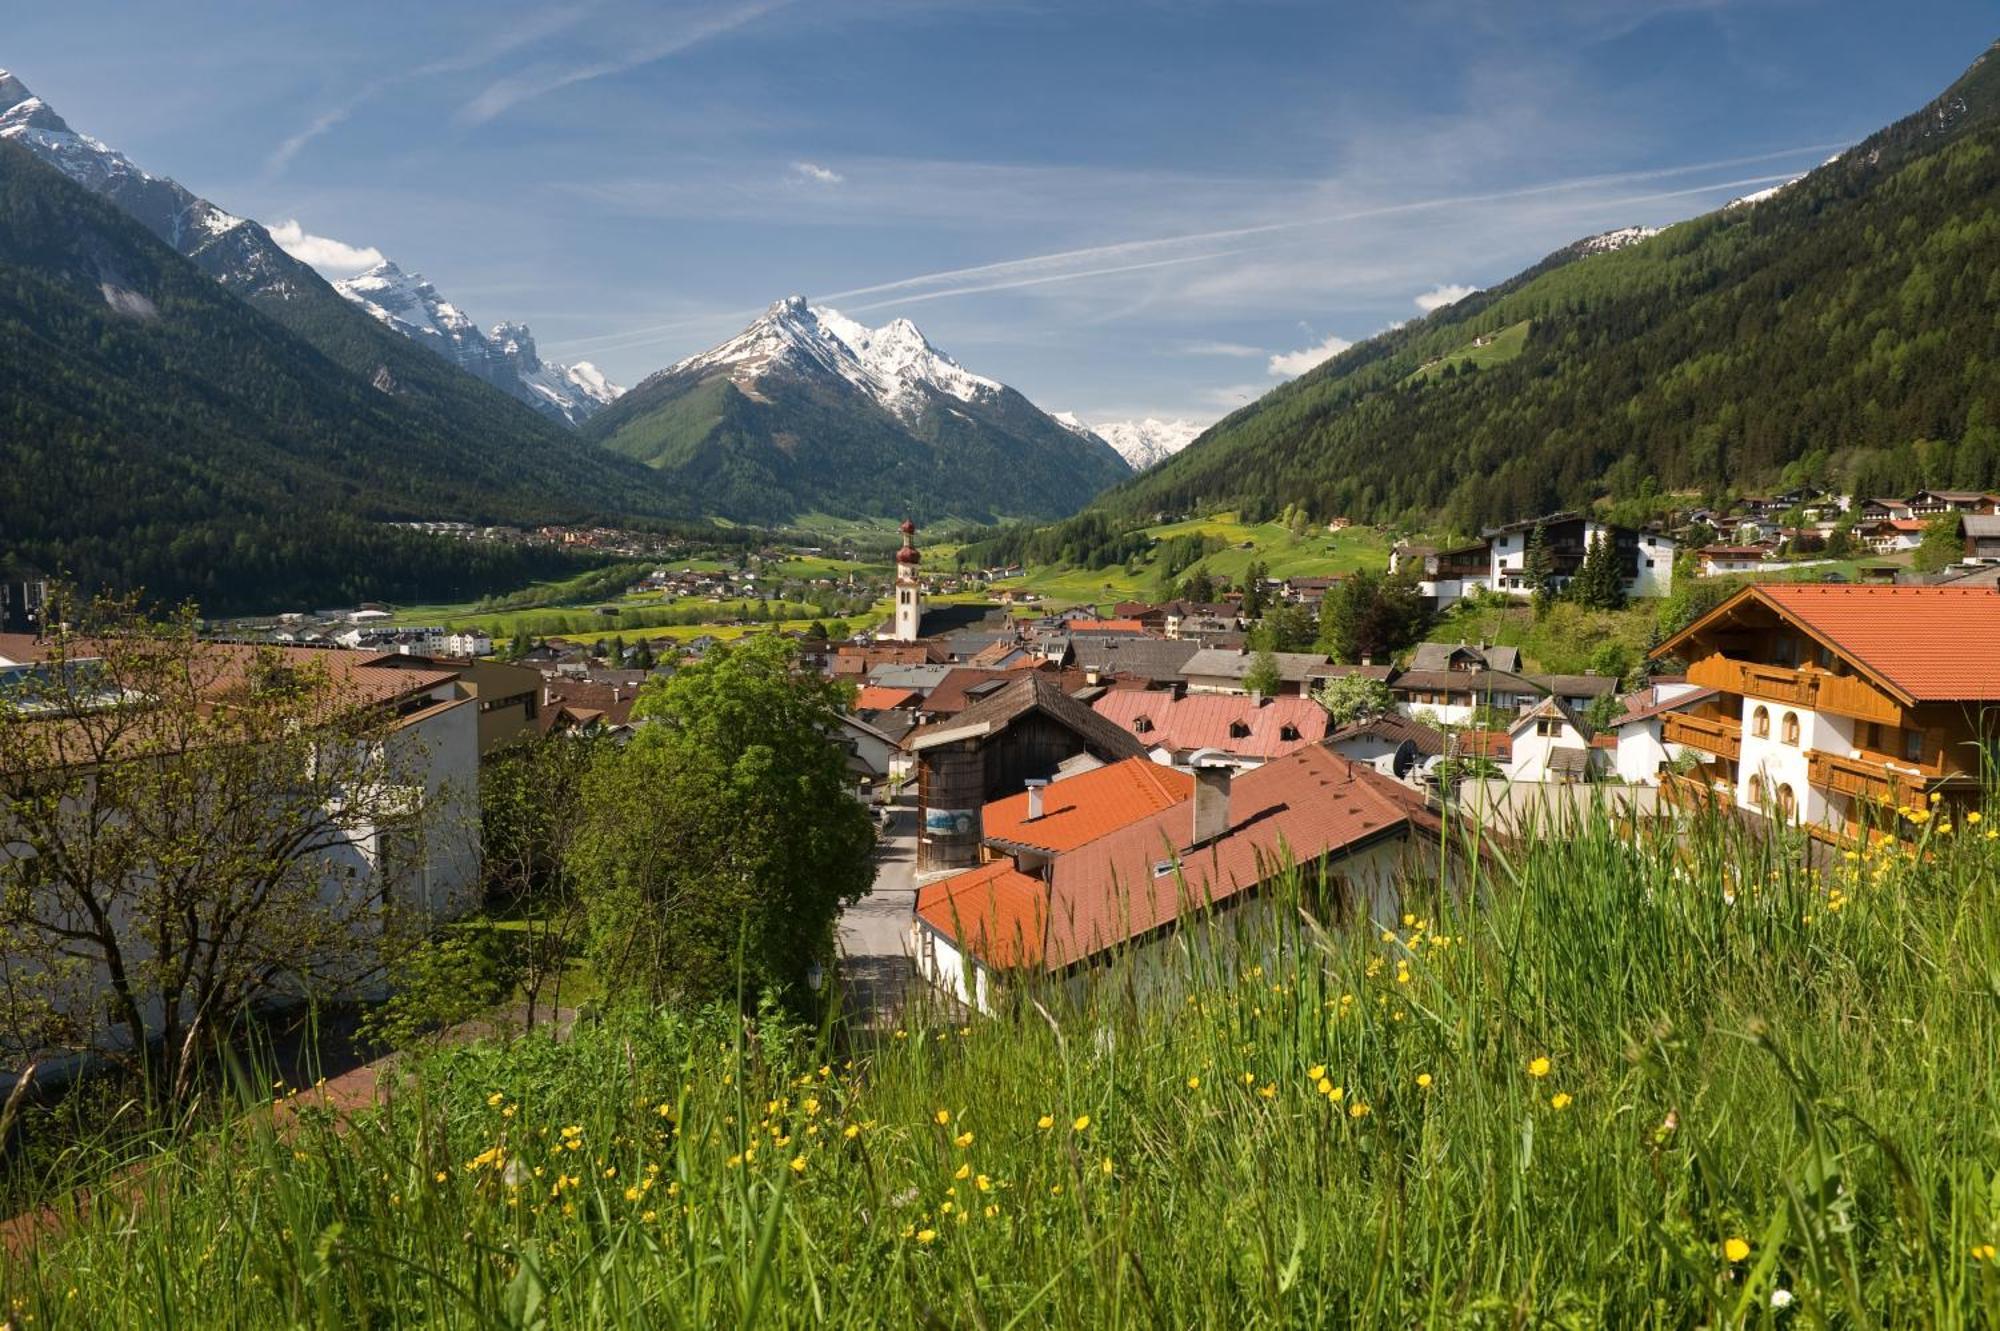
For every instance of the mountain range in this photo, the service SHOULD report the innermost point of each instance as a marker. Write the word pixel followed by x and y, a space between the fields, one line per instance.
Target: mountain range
pixel 1840 329
pixel 504 357
pixel 807 411
pixel 1141 443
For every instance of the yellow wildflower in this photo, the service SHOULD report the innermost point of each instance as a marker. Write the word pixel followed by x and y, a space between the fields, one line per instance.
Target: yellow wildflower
pixel 493 1100
pixel 943 1116
pixel 1735 1249
pixel 851 1131
pixel 1194 1083
pixel 798 1164
pixel 1316 1072
pixel 1082 1123
pixel 962 1140
pixel 1357 1110
pixel 1045 1122
pixel 1560 1101
pixel 1424 1080
pixel 963 1172
pixel 1538 1066
pixel 926 1235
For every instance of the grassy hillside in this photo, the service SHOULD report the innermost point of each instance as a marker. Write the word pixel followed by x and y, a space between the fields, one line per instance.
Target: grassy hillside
pixel 1647 1084
pixel 162 433
pixel 1842 330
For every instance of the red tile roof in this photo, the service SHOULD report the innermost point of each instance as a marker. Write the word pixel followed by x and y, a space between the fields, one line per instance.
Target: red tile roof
pixel 994 911
pixel 1932 644
pixel 1309 804
pixel 1082 808
pixel 1106 890
pixel 1105 626
pixel 1495 744
pixel 1205 721
pixel 882 698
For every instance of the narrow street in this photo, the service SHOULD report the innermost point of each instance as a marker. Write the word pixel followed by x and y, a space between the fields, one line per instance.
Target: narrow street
pixel 874 932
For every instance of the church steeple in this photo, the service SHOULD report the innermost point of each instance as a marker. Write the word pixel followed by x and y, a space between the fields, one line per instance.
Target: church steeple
pixel 909 594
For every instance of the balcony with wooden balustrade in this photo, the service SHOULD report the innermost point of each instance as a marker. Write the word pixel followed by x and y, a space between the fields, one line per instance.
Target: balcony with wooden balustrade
pixel 1808 687
pixel 1722 736
pixel 1870 778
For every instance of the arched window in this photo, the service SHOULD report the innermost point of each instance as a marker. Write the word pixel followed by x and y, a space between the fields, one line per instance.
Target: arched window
pixel 1788 729
pixel 1788 804
pixel 1756 790
pixel 1760 722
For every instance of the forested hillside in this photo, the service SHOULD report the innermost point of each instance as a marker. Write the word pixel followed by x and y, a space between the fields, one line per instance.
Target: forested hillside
pixel 158 432
pixel 1846 329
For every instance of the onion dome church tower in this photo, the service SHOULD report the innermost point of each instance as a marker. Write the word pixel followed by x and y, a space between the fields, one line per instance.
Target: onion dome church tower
pixel 909 595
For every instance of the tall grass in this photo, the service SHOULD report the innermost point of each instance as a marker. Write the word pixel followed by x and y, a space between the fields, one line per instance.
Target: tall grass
pixel 1642 1081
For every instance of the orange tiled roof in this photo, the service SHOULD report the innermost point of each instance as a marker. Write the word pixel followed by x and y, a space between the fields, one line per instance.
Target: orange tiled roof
pixel 1935 644
pixel 995 911
pixel 1082 808
pixel 1303 806
pixel 882 698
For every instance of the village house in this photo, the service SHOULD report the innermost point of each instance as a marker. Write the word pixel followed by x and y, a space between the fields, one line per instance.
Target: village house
pixel 1982 536
pixel 1717 560
pixel 1112 862
pixel 1549 742
pixel 1024 731
pixel 1888 535
pixel 1384 737
pixel 1837 706
pixel 1223 669
pixel 1641 752
pixel 1930 503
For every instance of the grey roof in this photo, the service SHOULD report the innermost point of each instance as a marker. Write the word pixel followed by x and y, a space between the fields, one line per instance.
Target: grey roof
pixel 1395 728
pixel 1985 526
pixel 1569 758
pixel 1439 656
pixel 1576 686
pixel 1557 709
pixel 1222 663
pixel 923 678
pixel 1479 683
pixel 1158 659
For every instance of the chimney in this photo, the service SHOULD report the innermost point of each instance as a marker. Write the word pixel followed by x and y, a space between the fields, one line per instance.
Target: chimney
pixel 548 695
pixel 1211 801
pixel 1368 658
pixel 1035 789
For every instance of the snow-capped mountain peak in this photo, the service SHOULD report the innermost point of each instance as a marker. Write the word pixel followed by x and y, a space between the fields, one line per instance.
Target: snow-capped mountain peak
pixel 1142 443
pixel 895 364
pixel 189 223
pixel 505 357
pixel 1608 241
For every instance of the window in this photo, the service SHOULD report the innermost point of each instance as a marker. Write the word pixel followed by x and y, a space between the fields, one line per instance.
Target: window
pixel 1789 729
pixel 1913 746
pixel 1549 727
pixel 1289 734
pixel 1756 790
pixel 1237 730
pixel 1143 725
pixel 1788 805
pixel 1760 723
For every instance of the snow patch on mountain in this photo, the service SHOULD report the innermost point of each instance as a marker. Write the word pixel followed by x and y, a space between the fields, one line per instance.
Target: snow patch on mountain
pixel 894 364
pixel 1608 241
pixel 505 356
pixel 1142 443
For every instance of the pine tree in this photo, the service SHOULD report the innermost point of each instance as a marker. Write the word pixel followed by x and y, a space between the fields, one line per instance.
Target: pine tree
pixel 1538 570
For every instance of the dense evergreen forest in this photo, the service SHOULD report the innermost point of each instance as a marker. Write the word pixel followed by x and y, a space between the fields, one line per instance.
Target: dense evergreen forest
pixel 159 433
pixel 1845 330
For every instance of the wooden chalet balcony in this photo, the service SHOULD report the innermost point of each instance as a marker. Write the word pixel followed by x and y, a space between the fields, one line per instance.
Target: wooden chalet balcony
pixel 1692 792
pixel 1843 695
pixel 1870 778
pixel 1721 736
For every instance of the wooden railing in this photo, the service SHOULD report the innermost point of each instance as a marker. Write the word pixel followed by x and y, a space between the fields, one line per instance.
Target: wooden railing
pixel 1691 792
pixel 1866 778
pixel 1711 734
pixel 1844 695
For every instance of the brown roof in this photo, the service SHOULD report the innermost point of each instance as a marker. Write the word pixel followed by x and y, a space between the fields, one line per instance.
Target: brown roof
pixel 961 687
pixel 1395 728
pixel 1029 691
pixel 1928 644
pixel 578 702
pixel 882 698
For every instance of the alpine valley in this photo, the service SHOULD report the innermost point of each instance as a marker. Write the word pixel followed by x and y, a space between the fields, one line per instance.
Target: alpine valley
pixel 808 411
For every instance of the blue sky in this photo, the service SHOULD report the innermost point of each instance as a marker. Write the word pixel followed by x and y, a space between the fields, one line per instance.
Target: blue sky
pixel 1155 207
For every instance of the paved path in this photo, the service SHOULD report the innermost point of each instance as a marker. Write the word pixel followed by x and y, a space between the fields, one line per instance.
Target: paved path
pixel 874 931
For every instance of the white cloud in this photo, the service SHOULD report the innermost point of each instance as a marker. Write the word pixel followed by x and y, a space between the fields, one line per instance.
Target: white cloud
pixel 1291 364
pixel 323 252
pixel 1443 294
pixel 817 174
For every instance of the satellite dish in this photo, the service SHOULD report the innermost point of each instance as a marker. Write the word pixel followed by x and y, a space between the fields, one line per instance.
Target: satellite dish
pixel 1405 760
